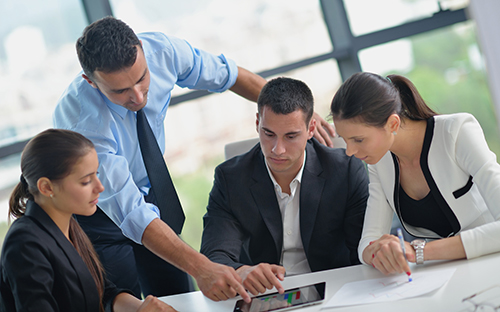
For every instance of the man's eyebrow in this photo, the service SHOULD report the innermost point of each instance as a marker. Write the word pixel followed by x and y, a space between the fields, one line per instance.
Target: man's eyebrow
pixel 267 130
pixel 140 79
pixel 143 75
pixel 288 133
pixel 119 90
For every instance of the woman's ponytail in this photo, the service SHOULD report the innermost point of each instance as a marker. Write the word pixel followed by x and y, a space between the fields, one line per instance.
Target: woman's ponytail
pixel 19 198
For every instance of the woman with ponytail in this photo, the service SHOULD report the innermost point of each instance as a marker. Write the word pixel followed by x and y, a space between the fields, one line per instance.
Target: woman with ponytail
pixel 47 261
pixel 436 172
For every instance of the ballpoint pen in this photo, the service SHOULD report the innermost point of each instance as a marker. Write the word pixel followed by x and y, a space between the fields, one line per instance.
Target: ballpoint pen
pixel 402 241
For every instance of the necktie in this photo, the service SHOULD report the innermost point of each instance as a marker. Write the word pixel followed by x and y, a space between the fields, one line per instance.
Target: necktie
pixel 161 183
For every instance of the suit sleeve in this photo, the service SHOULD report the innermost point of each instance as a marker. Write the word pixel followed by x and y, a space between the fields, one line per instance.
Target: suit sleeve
pixel 356 206
pixel 379 214
pixel 110 293
pixel 474 155
pixel 223 236
pixel 26 267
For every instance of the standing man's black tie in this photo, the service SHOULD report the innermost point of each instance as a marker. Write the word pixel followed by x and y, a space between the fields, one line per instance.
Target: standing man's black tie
pixel 161 183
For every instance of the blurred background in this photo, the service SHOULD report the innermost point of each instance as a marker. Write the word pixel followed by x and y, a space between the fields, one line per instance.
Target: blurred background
pixel 437 44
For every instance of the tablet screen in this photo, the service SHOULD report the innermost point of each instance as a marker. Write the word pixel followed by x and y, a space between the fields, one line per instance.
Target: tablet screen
pixel 291 298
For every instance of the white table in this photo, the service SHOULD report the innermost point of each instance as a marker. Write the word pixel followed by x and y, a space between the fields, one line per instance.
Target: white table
pixel 470 277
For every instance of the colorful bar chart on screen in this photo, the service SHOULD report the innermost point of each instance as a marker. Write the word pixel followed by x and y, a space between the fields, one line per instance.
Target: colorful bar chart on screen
pixel 290 298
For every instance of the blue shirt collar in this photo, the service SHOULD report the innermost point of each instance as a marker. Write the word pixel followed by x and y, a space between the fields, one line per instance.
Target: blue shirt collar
pixel 120 110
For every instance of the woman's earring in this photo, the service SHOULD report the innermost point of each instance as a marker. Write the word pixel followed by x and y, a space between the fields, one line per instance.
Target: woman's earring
pixel 51 195
pixel 394 132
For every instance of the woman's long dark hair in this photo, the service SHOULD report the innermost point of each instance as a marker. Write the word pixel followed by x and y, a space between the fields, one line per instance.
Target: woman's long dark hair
pixel 52 154
pixel 372 99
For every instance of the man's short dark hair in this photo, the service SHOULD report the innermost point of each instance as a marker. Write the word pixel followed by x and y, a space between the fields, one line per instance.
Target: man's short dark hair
pixel 107 45
pixel 286 95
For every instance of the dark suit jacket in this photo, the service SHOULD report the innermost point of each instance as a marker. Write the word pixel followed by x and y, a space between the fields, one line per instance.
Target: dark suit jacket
pixel 42 271
pixel 243 219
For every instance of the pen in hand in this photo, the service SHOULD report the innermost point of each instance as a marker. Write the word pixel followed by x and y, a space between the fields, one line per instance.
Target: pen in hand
pixel 402 241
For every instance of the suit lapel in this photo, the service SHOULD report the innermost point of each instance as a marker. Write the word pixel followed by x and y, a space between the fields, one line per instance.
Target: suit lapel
pixel 311 190
pixel 87 283
pixel 265 199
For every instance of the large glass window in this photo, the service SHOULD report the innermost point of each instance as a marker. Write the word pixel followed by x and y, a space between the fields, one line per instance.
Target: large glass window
pixel 37 61
pixel 366 16
pixel 447 68
pixel 258 35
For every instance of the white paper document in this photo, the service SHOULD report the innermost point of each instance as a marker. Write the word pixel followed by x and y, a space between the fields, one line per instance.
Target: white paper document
pixel 389 288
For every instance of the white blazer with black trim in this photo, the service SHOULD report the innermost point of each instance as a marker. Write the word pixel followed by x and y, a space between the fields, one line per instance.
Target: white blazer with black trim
pixel 462 173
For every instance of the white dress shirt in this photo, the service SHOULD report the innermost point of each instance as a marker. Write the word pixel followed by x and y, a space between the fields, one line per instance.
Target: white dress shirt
pixel 293 257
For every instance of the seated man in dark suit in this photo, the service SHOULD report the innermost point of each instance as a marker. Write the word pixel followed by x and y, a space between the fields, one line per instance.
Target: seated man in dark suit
pixel 289 204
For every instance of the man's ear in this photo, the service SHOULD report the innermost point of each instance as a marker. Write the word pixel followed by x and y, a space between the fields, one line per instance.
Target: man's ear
pixel 257 122
pixel 45 187
pixel 89 81
pixel 312 127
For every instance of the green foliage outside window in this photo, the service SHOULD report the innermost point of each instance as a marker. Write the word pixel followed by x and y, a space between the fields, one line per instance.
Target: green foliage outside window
pixel 451 79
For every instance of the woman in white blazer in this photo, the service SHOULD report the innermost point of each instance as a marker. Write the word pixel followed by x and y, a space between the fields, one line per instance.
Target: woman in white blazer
pixel 435 172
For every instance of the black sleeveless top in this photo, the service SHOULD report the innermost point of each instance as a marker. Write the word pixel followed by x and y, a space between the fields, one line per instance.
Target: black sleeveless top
pixel 424 213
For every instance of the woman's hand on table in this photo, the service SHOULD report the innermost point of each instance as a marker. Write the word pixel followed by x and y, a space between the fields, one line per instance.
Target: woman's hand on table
pixel 385 255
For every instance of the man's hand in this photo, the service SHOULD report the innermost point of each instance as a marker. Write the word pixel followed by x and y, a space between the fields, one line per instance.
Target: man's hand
pixel 220 282
pixel 216 281
pixel 263 276
pixel 324 131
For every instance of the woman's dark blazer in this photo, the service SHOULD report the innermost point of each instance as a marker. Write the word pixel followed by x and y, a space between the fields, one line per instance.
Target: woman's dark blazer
pixel 40 270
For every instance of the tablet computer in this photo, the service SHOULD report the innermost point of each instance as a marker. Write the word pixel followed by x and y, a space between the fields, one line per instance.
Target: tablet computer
pixel 290 299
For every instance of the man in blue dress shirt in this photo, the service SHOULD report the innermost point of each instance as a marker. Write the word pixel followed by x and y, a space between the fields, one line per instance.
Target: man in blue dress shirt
pixel 123 73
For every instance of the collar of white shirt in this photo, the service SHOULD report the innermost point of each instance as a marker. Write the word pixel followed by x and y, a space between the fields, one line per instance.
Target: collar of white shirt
pixel 293 184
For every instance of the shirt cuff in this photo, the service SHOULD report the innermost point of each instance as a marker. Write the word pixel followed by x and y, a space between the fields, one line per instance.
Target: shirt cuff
pixel 137 220
pixel 232 74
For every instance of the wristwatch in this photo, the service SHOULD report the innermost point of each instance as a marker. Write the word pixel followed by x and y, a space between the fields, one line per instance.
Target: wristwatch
pixel 418 245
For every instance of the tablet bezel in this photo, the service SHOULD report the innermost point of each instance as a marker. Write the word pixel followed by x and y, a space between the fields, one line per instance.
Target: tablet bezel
pixel 320 285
